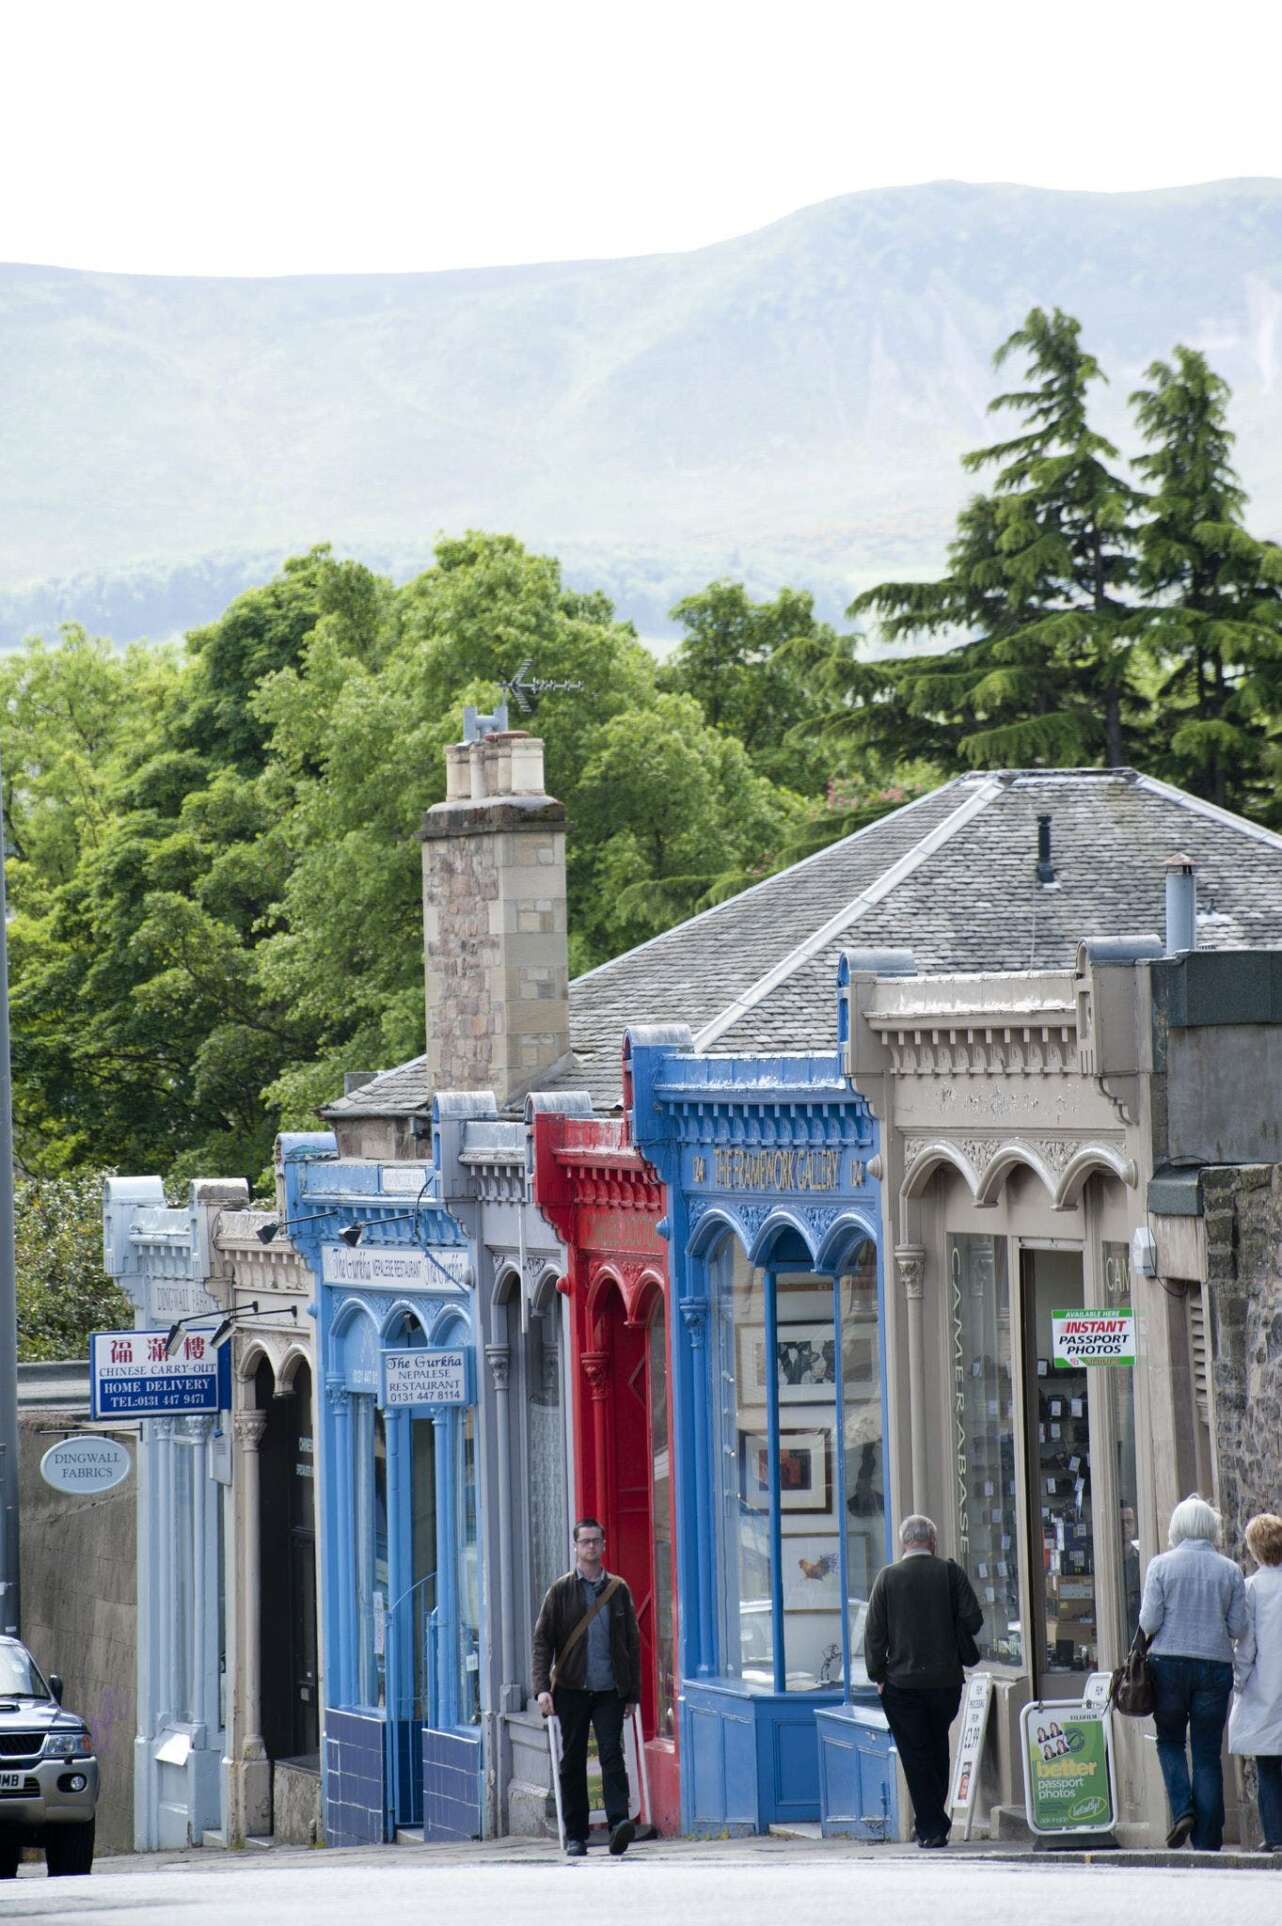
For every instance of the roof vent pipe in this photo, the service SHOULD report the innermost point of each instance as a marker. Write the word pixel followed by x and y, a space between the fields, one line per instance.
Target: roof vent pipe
pixel 1045 871
pixel 1181 904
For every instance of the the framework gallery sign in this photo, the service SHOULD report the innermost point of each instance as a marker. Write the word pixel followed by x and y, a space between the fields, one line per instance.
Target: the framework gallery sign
pixel 131 1375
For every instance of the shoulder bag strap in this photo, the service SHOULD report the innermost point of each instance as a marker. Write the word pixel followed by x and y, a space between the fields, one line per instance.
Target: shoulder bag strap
pixel 577 1631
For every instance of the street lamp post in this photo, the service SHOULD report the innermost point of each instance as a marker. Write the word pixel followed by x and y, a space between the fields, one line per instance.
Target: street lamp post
pixel 10 1590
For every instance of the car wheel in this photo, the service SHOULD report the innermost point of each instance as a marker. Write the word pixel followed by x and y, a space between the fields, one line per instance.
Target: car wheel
pixel 69 1850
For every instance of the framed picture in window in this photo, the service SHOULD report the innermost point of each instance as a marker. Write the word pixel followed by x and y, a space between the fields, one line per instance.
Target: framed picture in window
pixel 805 1470
pixel 811 1574
pixel 807 1358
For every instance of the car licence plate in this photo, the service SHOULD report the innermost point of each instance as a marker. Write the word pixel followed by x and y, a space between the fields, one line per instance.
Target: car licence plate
pixel 11 1781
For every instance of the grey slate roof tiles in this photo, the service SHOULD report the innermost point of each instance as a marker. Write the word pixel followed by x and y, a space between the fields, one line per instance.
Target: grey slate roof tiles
pixel 951 877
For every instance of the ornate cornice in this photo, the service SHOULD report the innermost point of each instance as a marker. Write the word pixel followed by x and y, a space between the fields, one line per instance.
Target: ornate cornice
pixel 988 1043
pixel 910 1269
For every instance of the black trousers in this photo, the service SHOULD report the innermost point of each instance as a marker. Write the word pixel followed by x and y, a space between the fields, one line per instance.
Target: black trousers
pixel 919 1720
pixel 604 1712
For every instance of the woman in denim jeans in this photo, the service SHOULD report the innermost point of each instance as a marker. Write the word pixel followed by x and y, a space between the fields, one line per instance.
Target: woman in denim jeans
pixel 1193 1612
pixel 1255 1723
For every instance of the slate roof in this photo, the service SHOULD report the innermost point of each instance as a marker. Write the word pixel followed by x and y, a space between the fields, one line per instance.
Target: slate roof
pixel 951 877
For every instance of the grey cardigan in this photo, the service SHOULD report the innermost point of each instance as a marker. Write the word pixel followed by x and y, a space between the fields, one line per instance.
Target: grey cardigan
pixel 1194 1603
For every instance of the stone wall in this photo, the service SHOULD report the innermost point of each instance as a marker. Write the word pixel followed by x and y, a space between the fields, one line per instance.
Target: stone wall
pixel 79 1608
pixel 1243 1216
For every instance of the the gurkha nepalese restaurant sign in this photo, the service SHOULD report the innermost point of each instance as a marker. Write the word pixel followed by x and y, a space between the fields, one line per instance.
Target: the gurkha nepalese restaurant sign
pixel 424 1378
pixel 396 1267
pixel 786 1168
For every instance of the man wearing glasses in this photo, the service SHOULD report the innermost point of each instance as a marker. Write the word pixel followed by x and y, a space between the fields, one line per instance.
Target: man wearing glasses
pixel 587 1669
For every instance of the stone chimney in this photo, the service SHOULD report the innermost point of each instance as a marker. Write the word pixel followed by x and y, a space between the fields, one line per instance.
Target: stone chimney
pixel 494 921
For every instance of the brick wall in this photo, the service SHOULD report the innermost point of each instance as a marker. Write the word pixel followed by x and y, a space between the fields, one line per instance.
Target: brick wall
pixel 1243 1214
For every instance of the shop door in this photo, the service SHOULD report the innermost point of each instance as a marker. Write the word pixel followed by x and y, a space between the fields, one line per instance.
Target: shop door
pixel 304 1700
pixel 1062 1607
pixel 623 1479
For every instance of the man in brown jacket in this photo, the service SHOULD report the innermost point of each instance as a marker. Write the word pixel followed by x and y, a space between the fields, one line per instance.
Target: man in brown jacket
pixel 587 1669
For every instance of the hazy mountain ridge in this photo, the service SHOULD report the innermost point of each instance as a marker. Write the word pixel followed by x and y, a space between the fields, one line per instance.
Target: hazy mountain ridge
pixel 787 405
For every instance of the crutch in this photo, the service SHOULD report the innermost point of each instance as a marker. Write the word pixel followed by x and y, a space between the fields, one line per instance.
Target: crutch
pixel 554 1754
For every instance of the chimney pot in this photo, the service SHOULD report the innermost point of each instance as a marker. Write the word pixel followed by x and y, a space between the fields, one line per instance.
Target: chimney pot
pixel 1045 869
pixel 1181 904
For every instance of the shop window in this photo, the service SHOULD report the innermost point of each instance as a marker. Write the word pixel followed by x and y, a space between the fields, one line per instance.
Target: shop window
pixel 661 1517
pixel 469 1575
pixel 983 1437
pixel 369 1564
pixel 1121 1387
pixel 862 1444
pixel 184 1576
pixel 747 1642
pixel 802 1493
pixel 421 1602
pixel 549 1529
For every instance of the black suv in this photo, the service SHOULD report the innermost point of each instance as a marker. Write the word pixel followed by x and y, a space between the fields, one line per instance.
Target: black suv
pixel 48 1772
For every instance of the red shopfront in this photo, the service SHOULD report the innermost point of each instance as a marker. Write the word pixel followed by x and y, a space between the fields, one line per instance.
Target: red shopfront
pixel 605 1202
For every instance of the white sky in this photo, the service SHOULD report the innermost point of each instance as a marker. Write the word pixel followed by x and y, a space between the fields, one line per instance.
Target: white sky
pixel 273 137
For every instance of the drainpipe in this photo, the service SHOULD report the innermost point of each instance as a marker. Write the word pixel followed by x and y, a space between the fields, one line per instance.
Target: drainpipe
pixel 1181 904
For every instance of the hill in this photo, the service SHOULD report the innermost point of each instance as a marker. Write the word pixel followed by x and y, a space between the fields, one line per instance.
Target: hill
pixel 785 406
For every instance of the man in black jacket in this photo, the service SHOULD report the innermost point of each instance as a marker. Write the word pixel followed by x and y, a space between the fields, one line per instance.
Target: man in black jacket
pixel 587 1669
pixel 921 1626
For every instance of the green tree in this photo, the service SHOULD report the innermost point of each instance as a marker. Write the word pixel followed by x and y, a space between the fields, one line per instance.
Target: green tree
pixel 1036 590
pixel 759 670
pixel 63 1291
pixel 1212 622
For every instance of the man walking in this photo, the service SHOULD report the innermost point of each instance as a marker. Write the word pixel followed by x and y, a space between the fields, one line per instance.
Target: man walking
pixel 920 1630
pixel 587 1669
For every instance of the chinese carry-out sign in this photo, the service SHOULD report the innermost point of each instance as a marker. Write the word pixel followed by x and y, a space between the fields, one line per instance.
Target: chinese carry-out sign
pixel 1093 1337
pixel 131 1377
pixel 1068 1767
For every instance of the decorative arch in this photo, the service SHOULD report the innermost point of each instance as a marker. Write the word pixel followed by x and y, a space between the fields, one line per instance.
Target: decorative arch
pixel 449 1325
pixel 932 1157
pixel 1005 1160
pixel 296 1358
pixel 403 1307
pixel 507 1284
pixel 849 1229
pixel 1090 1160
pixel 253 1354
pixel 711 1226
pixel 545 1289
pixel 779 1223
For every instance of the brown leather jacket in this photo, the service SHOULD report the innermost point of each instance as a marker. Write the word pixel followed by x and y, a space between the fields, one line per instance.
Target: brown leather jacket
pixel 561 1611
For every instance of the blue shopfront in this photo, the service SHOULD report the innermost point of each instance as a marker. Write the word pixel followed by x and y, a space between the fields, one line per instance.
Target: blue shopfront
pixel 400 1483
pixel 779 1386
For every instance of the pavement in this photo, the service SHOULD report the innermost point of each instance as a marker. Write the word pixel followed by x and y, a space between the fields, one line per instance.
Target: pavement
pixel 676 1882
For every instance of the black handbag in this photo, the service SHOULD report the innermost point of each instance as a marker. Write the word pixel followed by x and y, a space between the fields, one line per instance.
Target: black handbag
pixel 1131 1686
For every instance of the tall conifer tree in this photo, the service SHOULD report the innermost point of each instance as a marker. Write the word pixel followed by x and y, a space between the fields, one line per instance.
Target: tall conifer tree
pixel 1212 620
pixel 1038 578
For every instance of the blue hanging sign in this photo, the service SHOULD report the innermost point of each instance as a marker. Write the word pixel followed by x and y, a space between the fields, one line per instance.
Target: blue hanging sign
pixel 131 1377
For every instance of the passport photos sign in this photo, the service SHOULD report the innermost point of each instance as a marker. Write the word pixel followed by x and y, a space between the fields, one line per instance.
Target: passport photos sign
pixel 1068 1767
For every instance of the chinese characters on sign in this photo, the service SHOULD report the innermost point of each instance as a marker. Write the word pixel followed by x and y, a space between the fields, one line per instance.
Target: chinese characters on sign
pixel 424 1377
pixel 130 1375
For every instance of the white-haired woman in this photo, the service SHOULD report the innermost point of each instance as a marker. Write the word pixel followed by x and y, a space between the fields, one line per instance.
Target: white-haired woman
pixel 1193 1612
pixel 1255 1723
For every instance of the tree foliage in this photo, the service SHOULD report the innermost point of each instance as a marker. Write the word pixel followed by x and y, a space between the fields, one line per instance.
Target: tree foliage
pixel 63 1291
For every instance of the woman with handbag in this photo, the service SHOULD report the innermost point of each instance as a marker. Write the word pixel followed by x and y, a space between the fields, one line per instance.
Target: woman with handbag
pixel 1255 1723
pixel 1193 1612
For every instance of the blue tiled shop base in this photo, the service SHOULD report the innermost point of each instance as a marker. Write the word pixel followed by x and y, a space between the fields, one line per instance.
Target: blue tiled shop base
pixel 856 1773
pixel 750 1759
pixel 355 1782
pixel 451 1786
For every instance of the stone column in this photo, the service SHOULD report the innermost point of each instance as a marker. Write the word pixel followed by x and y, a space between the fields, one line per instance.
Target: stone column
pixel 596 1369
pixel 499 1359
pixel 248 1427
pixel 198 1431
pixel 340 1690
pixel 910 1273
